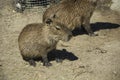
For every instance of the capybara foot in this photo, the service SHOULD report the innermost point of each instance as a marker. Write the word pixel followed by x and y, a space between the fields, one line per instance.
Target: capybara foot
pixel 59 60
pixel 32 63
pixel 93 34
pixel 47 64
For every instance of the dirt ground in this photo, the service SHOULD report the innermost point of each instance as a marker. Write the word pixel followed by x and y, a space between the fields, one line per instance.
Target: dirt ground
pixel 85 58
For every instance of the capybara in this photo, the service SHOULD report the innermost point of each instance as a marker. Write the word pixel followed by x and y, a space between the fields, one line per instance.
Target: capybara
pixel 73 13
pixel 37 39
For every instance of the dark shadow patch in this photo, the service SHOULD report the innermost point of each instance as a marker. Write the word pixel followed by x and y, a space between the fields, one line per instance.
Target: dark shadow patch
pixel 103 25
pixel 52 55
pixel 61 54
pixel 95 27
pixel 79 31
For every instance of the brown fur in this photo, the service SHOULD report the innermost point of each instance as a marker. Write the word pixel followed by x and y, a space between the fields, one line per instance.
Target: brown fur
pixel 72 13
pixel 37 39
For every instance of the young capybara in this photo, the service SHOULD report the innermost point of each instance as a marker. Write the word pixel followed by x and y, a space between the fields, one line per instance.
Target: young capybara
pixel 73 13
pixel 37 39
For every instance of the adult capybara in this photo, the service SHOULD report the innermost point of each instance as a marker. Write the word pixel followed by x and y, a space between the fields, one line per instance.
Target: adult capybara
pixel 73 13
pixel 37 39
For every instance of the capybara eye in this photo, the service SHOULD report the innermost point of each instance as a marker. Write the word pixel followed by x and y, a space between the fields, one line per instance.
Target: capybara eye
pixel 57 27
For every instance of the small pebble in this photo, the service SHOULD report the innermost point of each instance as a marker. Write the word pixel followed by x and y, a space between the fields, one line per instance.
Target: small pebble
pixel 115 73
pixel 81 66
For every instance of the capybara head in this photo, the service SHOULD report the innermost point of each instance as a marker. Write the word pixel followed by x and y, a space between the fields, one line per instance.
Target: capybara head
pixel 58 31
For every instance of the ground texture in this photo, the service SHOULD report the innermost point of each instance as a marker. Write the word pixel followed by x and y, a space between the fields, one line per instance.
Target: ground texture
pixel 85 58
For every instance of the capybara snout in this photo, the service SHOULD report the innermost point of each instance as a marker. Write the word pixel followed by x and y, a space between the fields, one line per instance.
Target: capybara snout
pixel 37 39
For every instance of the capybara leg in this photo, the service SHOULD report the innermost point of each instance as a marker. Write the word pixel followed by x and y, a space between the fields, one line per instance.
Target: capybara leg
pixel 89 31
pixel 58 60
pixel 32 62
pixel 86 25
pixel 45 61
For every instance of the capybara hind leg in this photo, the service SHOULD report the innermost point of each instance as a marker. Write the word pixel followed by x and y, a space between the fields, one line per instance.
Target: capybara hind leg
pixel 29 60
pixel 45 61
pixel 32 62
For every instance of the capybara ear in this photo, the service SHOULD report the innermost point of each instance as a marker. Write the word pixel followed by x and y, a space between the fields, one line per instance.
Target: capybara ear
pixel 48 21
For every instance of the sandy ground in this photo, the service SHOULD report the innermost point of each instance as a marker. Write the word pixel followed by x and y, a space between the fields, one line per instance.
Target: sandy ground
pixel 86 58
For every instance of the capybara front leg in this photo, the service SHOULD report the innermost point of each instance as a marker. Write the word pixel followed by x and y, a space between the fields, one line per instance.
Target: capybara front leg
pixel 32 62
pixel 86 25
pixel 45 61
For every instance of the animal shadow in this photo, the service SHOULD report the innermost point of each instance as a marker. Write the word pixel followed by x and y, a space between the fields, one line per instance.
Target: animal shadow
pixel 61 54
pixel 96 27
